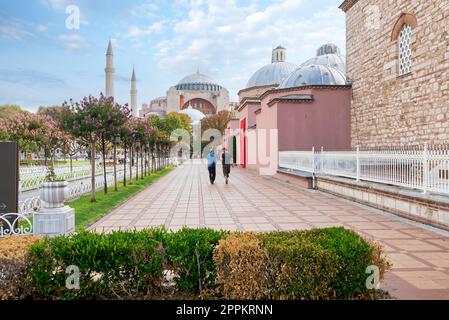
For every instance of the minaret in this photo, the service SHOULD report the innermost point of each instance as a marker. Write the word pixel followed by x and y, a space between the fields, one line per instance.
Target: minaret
pixel 109 72
pixel 133 94
pixel 278 54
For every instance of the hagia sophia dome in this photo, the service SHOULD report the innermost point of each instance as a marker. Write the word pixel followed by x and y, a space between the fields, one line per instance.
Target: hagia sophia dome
pixel 197 81
pixel 273 73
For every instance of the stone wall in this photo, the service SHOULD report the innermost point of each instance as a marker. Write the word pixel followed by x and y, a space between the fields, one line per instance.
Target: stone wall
pixel 388 109
pixel 417 207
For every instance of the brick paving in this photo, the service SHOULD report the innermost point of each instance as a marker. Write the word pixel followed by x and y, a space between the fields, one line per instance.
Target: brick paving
pixel 420 254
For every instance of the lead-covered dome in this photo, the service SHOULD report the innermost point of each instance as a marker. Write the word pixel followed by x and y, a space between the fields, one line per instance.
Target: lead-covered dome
pixel 275 72
pixel 328 55
pixel 197 82
pixel 314 75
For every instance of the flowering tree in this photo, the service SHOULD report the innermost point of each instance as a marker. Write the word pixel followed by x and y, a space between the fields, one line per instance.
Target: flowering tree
pixel 117 118
pixel 143 132
pixel 82 119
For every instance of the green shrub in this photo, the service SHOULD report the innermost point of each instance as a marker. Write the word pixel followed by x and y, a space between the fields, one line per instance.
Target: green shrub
pixel 190 256
pixel 354 255
pixel 333 257
pixel 112 266
pixel 302 269
pixel 314 264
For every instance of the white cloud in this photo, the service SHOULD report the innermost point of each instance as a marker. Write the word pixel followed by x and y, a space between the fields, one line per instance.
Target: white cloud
pixel 57 4
pixel 41 28
pixel 230 41
pixel 13 29
pixel 137 32
pixel 73 41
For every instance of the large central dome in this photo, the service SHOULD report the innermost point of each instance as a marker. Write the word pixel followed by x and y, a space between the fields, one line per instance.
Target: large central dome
pixel 197 81
pixel 274 73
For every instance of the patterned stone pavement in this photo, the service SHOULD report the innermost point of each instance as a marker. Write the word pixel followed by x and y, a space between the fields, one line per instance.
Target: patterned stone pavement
pixel 420 254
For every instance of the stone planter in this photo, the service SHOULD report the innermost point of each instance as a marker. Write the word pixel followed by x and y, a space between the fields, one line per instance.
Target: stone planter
pixel 54 218
pixel 52 194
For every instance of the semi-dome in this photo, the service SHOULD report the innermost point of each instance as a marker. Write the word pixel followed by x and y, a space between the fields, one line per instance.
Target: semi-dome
pixel 273 73
pixel 328 55
pixel 195 115
pixel 197 82
pixel 314 75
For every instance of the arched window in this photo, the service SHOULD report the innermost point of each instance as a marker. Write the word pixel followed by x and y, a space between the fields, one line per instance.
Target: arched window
pixel 405 50
pixel 402 33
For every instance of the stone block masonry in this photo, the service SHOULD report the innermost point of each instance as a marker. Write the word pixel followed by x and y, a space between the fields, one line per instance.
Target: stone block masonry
pixel 388 109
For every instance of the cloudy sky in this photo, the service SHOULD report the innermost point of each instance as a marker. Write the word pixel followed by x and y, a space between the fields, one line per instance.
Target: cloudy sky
pixel 42 62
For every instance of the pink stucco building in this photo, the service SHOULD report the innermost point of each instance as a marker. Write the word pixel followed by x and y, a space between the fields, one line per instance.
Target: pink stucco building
pixel 297 109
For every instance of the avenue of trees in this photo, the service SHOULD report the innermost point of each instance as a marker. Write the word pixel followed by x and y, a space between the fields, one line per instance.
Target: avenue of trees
pixel 99 126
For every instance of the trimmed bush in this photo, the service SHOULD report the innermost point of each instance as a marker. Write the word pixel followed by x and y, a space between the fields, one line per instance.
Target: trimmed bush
pixel 242 267
pixel 313 264
pixel 354 255
pixel 190 254
pixel 302 269
pixel 13 255
pixel 120 265
pixel 328 263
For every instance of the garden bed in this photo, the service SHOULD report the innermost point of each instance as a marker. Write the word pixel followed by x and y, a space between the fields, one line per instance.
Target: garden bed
pixel 329 263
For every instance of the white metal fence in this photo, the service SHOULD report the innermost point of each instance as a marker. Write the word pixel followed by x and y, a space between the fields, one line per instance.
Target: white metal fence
pixel 20 224
pixel 426 169
pixel 32 178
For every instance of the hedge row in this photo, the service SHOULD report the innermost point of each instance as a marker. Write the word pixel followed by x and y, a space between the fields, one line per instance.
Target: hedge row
pixel 205 263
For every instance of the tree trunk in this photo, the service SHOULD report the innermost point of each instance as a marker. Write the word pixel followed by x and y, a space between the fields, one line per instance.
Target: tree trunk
pixel 103 149
pixel 137 164
pixel 92 179
pixel 131 159
pixel 115 167
pixel 71 164
pixel 141 162
pixel 146 161
pixel 124 166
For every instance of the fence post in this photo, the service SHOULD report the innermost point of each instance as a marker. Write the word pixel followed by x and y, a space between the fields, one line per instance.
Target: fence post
pixel 321 160
pixel 425 166
pixel 313 160
pixel 358 164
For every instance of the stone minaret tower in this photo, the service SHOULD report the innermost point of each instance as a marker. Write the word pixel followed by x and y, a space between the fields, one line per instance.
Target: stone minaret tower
pixel 109 72
pixel 278 54
pixel 133 94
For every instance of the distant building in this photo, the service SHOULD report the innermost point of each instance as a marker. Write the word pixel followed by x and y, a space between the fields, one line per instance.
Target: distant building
pixel 156 106
pixel 195 91
pixel 398 62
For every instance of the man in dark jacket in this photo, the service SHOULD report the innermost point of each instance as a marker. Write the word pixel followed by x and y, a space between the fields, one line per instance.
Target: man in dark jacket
pixel 226 160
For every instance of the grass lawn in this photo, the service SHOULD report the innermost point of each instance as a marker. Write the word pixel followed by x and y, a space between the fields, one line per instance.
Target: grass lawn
pixel 87 212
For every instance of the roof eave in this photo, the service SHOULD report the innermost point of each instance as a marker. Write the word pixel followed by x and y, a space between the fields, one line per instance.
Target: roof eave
pixel 347 4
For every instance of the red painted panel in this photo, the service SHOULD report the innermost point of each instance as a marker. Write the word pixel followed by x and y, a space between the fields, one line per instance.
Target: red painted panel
pixel 243 142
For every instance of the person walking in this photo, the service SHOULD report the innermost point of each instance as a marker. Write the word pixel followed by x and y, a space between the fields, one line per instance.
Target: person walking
pixel 226 160
pixel 211 165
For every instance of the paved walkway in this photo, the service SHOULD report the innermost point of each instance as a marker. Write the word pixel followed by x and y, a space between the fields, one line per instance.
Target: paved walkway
pixel 420 254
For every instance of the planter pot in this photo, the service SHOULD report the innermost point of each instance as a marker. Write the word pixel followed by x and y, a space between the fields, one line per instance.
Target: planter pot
pixel 52 194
